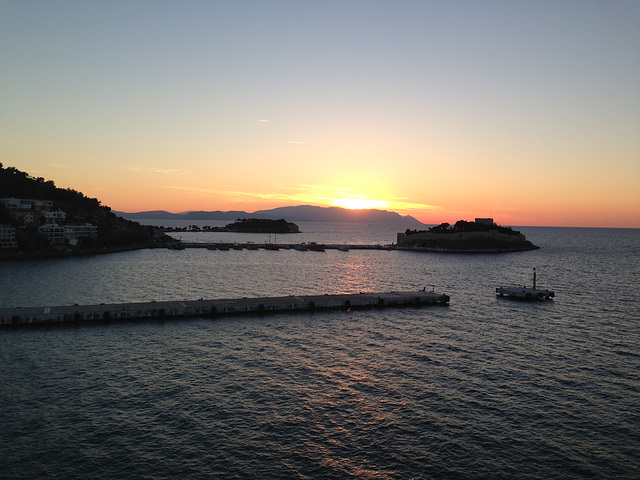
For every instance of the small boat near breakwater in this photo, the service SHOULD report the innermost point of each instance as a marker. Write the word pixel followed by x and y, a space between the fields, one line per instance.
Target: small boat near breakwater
pixel 525 293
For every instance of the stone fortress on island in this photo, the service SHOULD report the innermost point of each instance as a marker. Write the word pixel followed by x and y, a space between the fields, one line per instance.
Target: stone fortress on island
pixel 479 236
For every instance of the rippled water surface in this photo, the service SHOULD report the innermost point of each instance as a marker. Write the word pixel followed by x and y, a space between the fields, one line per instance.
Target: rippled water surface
pixel 484 388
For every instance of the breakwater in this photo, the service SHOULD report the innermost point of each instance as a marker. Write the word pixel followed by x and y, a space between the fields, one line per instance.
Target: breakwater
pixel 222 307
pixel 277 246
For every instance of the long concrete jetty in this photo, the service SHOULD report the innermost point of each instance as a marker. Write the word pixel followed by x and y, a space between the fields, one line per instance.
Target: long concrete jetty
pixel 277 246
pixel 208 308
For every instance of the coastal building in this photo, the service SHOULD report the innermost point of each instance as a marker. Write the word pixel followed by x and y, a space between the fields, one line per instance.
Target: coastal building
pixel 41 205
pixel 27 212
pixel 75 233
pixel 53 216
pixel 50 222
pixel 485 221
pixel 8 238
pixel 11 203
pixel 53 233
pixel 29 218
pixel 26 204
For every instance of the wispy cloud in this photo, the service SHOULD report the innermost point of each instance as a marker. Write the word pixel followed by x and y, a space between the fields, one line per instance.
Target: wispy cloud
pixel 161 171
pixel 171 171
pixel 295 196
pixel 408 206
pixel 207 192
pixel 264 121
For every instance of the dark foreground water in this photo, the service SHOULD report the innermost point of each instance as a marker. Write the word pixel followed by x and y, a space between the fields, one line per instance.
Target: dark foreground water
pixel 484 388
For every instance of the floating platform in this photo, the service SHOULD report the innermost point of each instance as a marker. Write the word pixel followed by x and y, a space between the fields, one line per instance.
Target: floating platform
pixel 210 308
pixel 525 293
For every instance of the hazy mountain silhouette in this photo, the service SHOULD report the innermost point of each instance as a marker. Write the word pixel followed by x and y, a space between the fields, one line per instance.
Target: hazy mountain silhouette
pixel 301 213
pixel 309 213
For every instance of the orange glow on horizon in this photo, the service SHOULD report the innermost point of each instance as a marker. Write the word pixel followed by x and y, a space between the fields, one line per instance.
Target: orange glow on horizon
pixel 135 193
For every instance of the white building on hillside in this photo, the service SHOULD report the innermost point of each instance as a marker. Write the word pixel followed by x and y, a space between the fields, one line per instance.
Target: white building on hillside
pixel 73 233
pixel 53 217
pixel 53 233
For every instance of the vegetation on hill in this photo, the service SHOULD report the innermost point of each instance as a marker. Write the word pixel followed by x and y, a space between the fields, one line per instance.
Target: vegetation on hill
pixel 112 231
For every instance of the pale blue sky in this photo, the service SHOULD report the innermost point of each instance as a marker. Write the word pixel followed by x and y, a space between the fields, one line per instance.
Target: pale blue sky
pixel 531 110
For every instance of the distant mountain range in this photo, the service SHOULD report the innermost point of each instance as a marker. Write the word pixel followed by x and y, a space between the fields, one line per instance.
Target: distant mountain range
pixel 301 213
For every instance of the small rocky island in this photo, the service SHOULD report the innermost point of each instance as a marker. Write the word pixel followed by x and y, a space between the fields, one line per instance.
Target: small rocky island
pixel 259 225
pixel 479 236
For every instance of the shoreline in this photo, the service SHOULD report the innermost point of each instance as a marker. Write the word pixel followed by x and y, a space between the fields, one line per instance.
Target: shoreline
pixel 71 253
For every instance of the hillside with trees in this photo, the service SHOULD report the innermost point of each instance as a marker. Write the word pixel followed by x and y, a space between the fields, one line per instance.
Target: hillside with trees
pixel 111 231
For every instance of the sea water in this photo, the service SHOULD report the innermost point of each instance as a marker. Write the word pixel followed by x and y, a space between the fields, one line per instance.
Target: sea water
pixel 484 388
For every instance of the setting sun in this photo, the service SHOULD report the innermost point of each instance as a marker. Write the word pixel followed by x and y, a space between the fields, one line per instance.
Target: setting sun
pixel 358 203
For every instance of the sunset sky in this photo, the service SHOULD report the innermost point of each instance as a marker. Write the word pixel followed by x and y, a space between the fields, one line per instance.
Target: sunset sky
pixel 525 111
